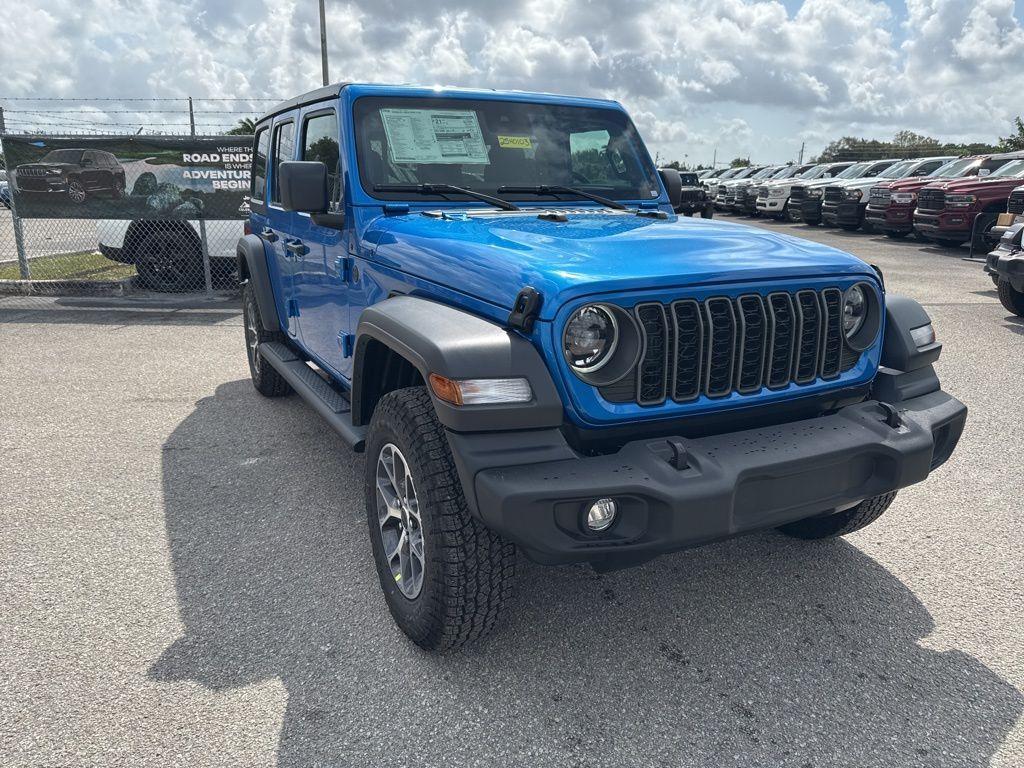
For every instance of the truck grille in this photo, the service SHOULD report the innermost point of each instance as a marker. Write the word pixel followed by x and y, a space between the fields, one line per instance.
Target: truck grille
pixel 879 196
pixel 798 194
pixel 931 200
pixel 690 195
pixel 762 193
pixel 833 194
pixel 1016 202
pixel 724 345
pixel 31 172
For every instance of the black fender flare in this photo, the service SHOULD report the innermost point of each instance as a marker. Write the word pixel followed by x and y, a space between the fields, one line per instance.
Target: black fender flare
pixel 251 258
pixel 906 370
pixel 437 338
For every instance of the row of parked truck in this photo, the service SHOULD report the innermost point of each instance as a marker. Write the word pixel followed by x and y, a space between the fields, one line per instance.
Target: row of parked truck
pixel 946 200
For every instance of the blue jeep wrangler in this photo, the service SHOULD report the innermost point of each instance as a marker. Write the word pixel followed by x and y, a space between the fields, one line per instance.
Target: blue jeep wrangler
pixel 489 294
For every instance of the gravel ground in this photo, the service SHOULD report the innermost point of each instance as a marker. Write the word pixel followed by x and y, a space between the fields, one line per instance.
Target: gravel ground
pixel 185 579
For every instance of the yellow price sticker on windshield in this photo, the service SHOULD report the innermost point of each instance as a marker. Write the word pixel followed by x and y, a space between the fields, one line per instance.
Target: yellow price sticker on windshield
pixel 515 142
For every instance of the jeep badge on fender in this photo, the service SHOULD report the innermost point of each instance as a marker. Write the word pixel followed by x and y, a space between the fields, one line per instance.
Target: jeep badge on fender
pixel 493 296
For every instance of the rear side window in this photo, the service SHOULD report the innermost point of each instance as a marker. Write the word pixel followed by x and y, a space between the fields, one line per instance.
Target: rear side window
pixel 320 142
pixel 261 145
pixel 284 149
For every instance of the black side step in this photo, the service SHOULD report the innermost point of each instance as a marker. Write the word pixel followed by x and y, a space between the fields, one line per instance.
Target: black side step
pixel 328 401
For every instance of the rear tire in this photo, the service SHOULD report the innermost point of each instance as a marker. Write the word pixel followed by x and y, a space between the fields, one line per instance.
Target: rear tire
pixel 265 378
pixel 840 523
pixel 169 262
pixel 466 571
pixel 1011 299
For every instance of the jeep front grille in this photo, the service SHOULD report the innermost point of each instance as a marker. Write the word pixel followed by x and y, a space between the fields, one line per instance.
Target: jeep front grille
pixel 690 195
pixel 744 344
pixel 798 194
pixel 1016 202
pixel 833 194
pixel 31 172
pixel 879 196
pixel 931 200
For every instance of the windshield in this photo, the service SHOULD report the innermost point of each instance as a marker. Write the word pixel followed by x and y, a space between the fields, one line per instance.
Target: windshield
pixel 788 172
pixel 764 173
pixel 854 171
pixel 813 172
pixel 955 167
pixel 899 170
pixel 484 145
pixel 1016 168
pixel 63 156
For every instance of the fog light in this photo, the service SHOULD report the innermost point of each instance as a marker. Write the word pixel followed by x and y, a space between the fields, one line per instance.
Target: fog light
pixel 601 514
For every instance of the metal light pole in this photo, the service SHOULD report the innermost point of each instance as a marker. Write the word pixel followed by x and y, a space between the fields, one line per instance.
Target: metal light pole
pixel 323 44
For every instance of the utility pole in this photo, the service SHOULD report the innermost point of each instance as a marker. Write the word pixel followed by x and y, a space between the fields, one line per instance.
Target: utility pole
pixel 203 241
pixel 801 160
pixel 714 159
pixel 323 44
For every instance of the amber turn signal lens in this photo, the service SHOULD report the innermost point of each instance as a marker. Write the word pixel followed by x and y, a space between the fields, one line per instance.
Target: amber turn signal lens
pixel 446 389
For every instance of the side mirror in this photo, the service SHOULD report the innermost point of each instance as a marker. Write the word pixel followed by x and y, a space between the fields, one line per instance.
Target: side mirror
pixel 984 172
pixel 303 186
pixel 673 185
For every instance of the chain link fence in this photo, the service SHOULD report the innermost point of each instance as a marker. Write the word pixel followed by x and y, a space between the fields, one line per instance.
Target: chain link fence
pixel 134 231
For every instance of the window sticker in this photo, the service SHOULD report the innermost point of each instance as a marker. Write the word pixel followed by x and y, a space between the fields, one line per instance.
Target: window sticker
pixel 515 142
pixel 434 136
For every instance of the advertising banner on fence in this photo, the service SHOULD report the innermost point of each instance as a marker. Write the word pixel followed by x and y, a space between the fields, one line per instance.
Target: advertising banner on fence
pixel 129 177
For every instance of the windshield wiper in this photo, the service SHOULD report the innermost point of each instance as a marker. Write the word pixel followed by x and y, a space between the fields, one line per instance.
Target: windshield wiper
pixel 558 189
pixel 443 189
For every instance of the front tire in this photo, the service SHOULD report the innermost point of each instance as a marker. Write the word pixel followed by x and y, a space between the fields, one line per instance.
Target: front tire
pixel 76 191
pixel 840 523
pixel 265 378
pixel 1011 299
pixel 422 532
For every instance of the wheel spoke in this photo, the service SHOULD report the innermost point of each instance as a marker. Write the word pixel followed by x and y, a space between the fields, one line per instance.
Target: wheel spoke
pixel 398 514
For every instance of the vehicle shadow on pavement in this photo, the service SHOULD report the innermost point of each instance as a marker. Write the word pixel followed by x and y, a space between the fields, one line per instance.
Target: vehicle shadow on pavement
pixel 757 651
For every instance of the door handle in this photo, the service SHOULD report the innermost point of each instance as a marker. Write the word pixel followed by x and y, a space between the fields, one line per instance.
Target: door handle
pixel 296 247
pixel 268 234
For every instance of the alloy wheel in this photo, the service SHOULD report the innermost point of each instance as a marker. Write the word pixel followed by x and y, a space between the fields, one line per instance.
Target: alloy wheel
pixel 398 514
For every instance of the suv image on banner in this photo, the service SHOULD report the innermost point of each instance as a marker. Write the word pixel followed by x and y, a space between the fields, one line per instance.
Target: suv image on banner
pixel 844 204
pixel 76 173
pixel 891 205
pixel 946 211
pixel 490 294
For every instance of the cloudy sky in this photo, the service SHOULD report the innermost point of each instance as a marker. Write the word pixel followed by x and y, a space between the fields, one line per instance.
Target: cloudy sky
pixel 741 76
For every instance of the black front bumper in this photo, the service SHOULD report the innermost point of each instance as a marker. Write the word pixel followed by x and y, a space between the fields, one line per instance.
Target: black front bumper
pixel 533 488
pixel 810 211
pixel 844 214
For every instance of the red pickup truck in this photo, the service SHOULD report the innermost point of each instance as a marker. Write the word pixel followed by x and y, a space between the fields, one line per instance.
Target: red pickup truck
pixel 891 205
pixel 946 211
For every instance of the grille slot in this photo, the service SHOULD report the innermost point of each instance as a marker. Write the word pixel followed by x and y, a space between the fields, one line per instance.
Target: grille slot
pixel 750 353
pixel 931 200
pixel 652 373
pixel 689 328
pixel 722 346
pixel 832 349
pixel 808 336
pixel 798 194
pixel 783 322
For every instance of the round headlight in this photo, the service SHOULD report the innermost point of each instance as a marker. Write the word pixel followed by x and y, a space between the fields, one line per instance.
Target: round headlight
pixel 855 310
pixel 590 338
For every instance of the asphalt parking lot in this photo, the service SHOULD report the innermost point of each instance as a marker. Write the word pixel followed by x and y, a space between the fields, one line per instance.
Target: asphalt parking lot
pixel 186 580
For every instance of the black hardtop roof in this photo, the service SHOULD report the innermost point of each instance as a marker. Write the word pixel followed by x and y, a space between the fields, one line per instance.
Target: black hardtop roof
pixel 309 97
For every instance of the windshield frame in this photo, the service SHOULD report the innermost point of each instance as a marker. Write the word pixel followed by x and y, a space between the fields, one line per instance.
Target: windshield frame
pixel 445 101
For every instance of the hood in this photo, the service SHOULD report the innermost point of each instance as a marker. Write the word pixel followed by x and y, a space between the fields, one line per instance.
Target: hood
pixel 492 256
pixel 912 184
pixel 973 184
pixel 820 182
pixel 863 181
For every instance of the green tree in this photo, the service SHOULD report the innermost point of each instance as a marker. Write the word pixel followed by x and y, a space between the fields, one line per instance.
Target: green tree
pixel 246 127
pixel 1015 141
pixel 739 162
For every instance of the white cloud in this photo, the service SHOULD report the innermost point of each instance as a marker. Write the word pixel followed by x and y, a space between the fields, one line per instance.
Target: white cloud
pixel 741 75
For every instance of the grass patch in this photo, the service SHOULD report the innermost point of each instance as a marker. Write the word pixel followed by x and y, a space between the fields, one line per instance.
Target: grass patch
pixel 83 265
